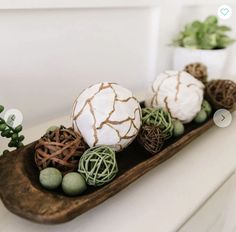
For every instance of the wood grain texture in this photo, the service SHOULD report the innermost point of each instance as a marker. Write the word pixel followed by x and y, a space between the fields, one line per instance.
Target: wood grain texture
pixel 22 194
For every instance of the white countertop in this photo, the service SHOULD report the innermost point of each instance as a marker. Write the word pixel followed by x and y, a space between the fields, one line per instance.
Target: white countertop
pixel 162 200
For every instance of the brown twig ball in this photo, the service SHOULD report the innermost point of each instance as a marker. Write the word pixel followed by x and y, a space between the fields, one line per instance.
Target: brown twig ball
pixel 61 149
pixel 221 93
pixel 198 70
pixel 151 138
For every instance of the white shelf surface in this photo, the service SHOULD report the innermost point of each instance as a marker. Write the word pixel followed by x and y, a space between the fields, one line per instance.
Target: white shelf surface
pixel 162 200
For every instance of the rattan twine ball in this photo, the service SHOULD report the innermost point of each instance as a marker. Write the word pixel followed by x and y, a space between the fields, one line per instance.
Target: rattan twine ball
pixel 221 93
pixel 61 149
pixel 198 70
pixel 98 165
pixel 159 118
pixel 151 138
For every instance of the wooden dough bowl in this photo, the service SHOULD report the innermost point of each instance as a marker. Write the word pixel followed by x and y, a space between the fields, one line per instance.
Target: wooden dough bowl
pixel 22 194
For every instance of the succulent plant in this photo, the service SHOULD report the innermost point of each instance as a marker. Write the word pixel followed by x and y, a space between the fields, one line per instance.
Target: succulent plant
pixel 207 34
pixel 9 132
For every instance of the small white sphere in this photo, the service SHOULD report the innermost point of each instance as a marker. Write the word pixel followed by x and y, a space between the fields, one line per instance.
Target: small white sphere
pixel 178 92
pixel 107 114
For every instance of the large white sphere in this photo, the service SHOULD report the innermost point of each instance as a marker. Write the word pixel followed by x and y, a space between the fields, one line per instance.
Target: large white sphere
pixel 107 114
pixel 178 92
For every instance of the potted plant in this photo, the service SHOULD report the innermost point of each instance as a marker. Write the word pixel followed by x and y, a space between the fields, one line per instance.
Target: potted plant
pixel 205 42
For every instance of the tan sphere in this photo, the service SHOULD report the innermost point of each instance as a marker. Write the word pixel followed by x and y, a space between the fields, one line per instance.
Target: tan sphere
pixel 178 92
pixel 107 114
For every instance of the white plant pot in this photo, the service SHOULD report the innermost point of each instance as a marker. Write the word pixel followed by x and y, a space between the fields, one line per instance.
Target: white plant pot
pixel 214 60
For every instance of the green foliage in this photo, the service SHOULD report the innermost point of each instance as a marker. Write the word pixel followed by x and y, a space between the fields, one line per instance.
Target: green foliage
pixel 204 35
pixel 10 132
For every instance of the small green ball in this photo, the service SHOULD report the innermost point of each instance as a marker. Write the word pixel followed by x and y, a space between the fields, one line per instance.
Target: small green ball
pixel 50 178
pixel 52 128
pixel 207 107
pixel 201 116
pixel 178 128
pixel 73 184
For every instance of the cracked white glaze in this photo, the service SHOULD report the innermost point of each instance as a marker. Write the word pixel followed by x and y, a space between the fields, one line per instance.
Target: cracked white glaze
pixel 107 114
pixel 178 92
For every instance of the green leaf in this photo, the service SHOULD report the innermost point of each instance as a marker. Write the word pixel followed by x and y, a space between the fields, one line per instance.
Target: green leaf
pixel 3 126
pixel 20 145
pixel 21 138
pixel 212 20
pixel 190 42
pixel 6 133
pixel 18 129
pixel 15 136
pixel 222 29
pixel 1 108
pixel 12 144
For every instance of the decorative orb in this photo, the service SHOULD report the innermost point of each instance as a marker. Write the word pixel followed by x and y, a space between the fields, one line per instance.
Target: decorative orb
pixel 178 92
pixel 50 178
pixel 151 138
pixel 160 118
pixel 178 128
pixel 73 184
pixel 98 165
pixel 107 114
pixel 206 107
pixel 61 149
pixel 201 116
pixel 221 93
pixel 198 70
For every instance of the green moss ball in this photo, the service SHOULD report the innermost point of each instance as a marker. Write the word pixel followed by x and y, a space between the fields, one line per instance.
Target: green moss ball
pixel 50 178
pixel 52 128
pixel 73 184
pixel 201 116
pixel 207 107
pixel 178 128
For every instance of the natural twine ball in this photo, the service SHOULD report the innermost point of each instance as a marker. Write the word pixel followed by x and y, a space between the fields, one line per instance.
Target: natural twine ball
pixel 98 165
pixel 151 138
pixel 61 149
pixel 159 118
pixel 198 70
pixel 221 93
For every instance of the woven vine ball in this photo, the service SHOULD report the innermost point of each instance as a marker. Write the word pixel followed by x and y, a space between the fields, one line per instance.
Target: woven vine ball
pixel 61 149
pixel 221 93
pixel 151 138
pixel 198 70
pixel 98 165
pixel 159 118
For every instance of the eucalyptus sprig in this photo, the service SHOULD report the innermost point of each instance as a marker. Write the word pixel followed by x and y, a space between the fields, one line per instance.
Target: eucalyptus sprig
pixel 12 133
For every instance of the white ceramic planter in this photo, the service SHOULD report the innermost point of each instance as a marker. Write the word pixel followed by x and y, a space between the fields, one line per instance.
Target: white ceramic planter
pixel 214 60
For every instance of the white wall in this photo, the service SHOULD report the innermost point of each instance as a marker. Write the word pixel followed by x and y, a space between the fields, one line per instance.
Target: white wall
pixel 49 54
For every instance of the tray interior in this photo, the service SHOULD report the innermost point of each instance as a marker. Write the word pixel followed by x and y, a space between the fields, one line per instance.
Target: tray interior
pixel 126 160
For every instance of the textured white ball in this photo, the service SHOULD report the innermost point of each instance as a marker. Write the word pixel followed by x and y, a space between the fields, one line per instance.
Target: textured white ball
pixel 178 92
pixel 107 114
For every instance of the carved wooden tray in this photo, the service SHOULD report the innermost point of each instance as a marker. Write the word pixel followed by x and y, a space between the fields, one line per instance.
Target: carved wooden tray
pixel 22 194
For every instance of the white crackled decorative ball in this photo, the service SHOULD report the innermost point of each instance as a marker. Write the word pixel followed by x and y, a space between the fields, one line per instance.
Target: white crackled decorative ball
pixel 178 92
pixel 107 114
